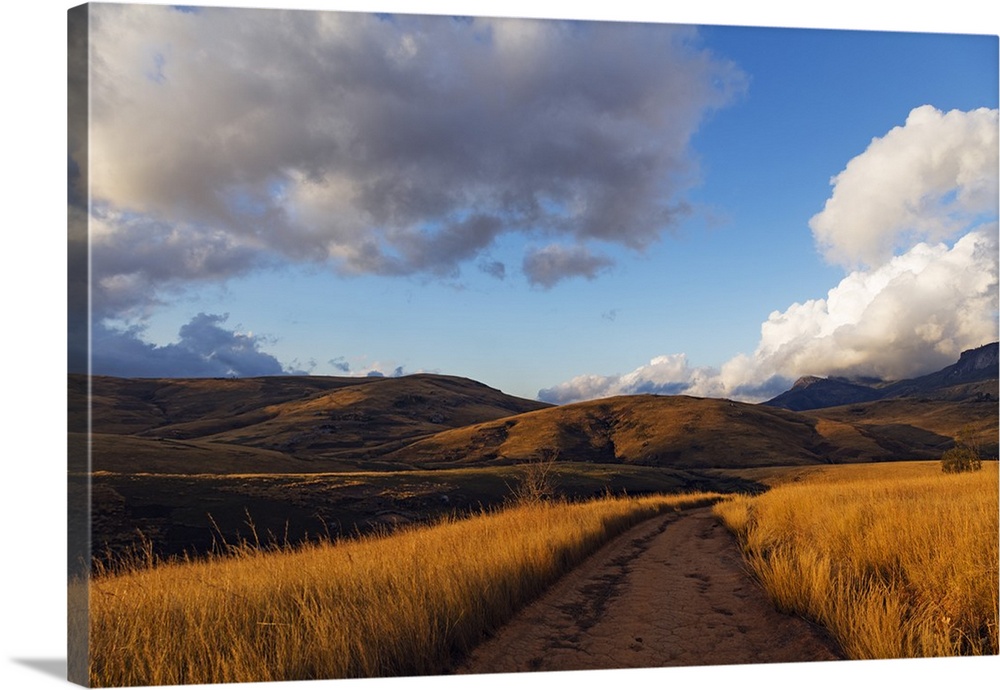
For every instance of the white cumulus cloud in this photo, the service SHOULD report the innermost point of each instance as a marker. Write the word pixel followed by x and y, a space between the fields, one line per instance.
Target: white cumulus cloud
pixel 663 375
pixel 926 180
pixel 909 316
pixel 915 216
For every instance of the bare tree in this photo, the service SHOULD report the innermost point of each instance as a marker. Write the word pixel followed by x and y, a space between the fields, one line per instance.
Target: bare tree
pixel 535 485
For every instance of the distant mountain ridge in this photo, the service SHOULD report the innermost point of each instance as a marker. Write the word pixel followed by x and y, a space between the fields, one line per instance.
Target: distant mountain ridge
pixel 953 382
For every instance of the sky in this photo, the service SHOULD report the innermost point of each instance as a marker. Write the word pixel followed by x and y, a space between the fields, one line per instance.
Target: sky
pixel 564 210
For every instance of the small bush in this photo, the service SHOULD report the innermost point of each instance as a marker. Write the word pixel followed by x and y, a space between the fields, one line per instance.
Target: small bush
pixel 961 458
pixel 965 456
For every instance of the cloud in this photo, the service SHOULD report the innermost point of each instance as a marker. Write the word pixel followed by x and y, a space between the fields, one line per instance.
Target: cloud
pixel 901 313
pixel 549 265
pixel 926 180
pixel 223 141
pixel 340 364
pixel 139 262
pixel 204 348
pixel 663 375
pixel 908 317
pixel 388 145
pixel 497 269
pixel 377 373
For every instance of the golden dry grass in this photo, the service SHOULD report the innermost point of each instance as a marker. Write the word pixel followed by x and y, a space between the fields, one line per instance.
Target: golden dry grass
pixel 895 560
pixel 401 604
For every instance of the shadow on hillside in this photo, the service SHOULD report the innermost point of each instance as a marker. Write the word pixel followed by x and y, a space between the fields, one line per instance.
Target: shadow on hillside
pixel 175 515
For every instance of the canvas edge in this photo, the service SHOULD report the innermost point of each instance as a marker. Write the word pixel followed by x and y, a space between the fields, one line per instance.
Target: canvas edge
pixel 78 346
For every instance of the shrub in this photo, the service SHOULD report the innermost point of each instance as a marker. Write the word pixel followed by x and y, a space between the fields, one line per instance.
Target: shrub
pixel 965 456
pixel 961 458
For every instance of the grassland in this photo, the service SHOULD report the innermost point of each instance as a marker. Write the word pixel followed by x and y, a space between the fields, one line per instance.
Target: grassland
pixel 895 560
pixel 399 604
pixel 187 513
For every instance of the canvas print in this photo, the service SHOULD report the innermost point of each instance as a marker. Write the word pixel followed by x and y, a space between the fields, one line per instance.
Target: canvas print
pixel 416 345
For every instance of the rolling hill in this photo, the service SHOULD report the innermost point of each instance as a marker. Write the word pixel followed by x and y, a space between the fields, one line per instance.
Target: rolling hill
pixel 668 431
pixel 896 420
pixel 426 421
pixel 960 399
pixel 281 424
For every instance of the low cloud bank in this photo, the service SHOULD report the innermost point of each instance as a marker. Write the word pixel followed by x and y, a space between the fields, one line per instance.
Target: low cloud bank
pixel 204 348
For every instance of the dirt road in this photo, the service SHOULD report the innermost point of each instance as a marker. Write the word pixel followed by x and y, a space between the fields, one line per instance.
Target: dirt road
pixel 669 592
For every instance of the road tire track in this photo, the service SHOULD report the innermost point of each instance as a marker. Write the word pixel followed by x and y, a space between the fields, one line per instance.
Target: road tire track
pixel 672 591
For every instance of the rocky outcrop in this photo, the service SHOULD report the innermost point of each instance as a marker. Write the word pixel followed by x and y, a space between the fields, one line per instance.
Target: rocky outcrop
pixel 813 392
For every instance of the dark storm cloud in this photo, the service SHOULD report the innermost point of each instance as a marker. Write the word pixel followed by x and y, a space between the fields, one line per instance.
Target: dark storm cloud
pixel 204 348
pixel 385 145
pixel 547 266
pixel 340 364
pixel 497 269
pixel 440 252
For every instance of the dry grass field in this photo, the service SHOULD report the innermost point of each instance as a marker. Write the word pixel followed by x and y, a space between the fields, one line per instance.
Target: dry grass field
pixel 895 560
pixel 393 605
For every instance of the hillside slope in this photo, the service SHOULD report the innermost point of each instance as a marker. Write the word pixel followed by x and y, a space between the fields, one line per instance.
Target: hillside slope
pixel 327 424
pixel 674 431
pixel 971 411
pixel 279 422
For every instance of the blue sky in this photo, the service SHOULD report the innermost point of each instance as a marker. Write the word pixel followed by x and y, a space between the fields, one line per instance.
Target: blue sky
pixel 556 211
